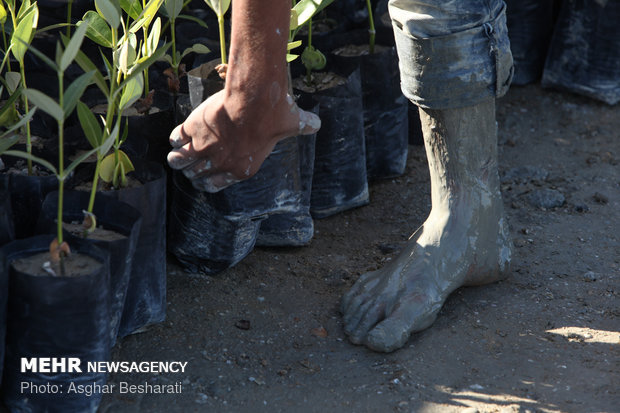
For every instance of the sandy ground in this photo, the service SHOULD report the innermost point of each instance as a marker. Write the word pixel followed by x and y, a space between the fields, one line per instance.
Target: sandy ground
pixel 544 340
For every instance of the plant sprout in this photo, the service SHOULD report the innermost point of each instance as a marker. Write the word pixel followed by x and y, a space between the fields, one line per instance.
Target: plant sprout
pixel 60 109
pixel 24 20
pixel 173 9
pixel 124 82
pixel 371 28
pixel 220 7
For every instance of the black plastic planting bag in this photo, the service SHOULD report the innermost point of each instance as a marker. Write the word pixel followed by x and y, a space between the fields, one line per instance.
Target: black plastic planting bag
pixel 386 126
pixel 7 230
pixel 584 56
pixel 111 215
pixel 27 195
pixel 340 181
pixel 201 236
pixel 210 232
pixel 145 303
pixel 53 316
pixel 530 24
pixel 295 227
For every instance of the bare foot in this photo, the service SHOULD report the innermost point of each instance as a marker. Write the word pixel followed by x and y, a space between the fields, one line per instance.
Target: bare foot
pixel 223 141
pixel 464 241
pixel 449 251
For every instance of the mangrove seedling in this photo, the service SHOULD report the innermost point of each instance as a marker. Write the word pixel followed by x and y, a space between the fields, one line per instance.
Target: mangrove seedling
pixel 24 21
pixel 60 109
pixel 176 71
pixel 220 7
pixel 124 82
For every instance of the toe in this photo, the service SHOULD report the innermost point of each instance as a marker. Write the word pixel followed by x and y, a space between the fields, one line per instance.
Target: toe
pixel 393 332
pixel 369 316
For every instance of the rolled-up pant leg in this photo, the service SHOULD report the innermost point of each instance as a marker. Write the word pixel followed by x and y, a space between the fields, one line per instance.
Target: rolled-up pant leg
pixel 452 53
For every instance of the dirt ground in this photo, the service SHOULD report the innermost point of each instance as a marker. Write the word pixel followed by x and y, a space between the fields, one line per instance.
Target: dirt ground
pixel 547 339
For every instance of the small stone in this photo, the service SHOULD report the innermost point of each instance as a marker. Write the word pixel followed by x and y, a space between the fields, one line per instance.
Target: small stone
pixel 600 198
pixel 581 207
pixel 243 324
pixel 590 276
pixel 201 398
pixel 546 198
pixel 319 332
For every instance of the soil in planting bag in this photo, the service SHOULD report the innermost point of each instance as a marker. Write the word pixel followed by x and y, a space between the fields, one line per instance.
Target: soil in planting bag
pixel 7 231
pixel 55 316
pixel 584 56
pixel 530 24
pixel 145 303
pixel 204 238
pixel 386 125
pixel 119 226
pixel 340 182
pixel 296 227
pixel 27 194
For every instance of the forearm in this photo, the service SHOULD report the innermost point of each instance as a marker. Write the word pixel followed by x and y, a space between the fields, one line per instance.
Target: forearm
pixel 257 63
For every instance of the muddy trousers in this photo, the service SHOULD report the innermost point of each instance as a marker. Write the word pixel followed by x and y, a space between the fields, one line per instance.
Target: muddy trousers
pixel 452 53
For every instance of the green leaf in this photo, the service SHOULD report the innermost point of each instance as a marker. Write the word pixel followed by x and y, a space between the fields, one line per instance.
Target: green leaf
pixel 291 57
pixel 305 9
pixel 9 103
pixel 13 79
pixel 293 45
pixel 3 14
pixel 173 8
pixel 72 48
pixel 106 169
pixel 76 162
pixel 197 48
pixel 127 57
pixel 25 119
pixel 146 63
pixel 75 91
pixel 90 125
pixel 153 38
pixel 193 19
pixel 33 158
pixel 220 7
pixel 109 11
pixel 45 103
pixel 98 30
pixel 88 66
pixel 6 143
pixel 53 27
pixel 148 13
pixel 131 92
pixel 133 8
pixel 22 35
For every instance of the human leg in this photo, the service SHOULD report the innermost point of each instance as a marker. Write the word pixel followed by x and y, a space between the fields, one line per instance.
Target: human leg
pixel 465 239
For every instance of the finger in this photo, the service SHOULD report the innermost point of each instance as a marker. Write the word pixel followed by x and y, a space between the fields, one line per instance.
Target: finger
pixel 178 138
pixel 181 158
pixel 309 123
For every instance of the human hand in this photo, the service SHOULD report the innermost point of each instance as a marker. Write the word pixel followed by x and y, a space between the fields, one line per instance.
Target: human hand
pixel 226 139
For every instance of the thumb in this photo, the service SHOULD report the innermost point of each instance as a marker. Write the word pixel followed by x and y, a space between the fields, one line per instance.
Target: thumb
pixel 309 123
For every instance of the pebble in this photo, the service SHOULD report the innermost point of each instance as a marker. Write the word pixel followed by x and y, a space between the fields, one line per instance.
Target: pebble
pixel 546 198
pixel 201 398
pixel 590 276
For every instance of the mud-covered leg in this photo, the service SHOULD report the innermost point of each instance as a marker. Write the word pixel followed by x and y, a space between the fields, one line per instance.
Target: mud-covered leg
pixel 464 240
